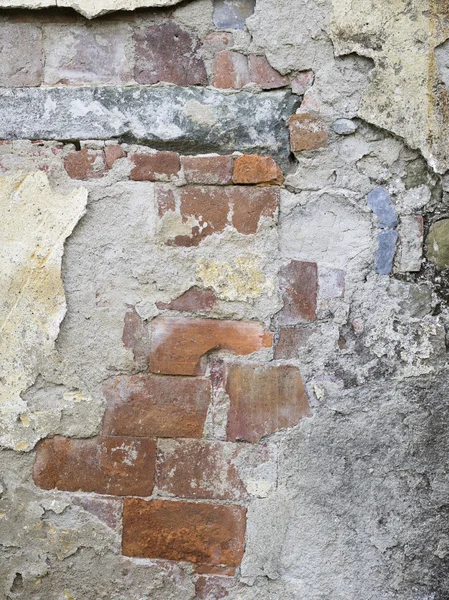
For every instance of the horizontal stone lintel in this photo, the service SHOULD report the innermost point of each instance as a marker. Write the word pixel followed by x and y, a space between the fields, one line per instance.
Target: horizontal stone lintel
pixel 188 119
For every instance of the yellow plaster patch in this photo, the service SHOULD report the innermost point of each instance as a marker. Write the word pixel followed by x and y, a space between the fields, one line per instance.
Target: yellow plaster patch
pixel 35 222
pixel 240 280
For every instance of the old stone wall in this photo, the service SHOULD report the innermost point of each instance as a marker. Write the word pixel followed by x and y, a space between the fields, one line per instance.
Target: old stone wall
pixel 224 244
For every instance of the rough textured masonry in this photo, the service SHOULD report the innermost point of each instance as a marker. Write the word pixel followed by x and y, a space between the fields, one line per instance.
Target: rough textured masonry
pixel 224 320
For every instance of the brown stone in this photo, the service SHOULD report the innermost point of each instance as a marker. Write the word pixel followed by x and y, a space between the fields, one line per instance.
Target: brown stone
pixel 307 133
pixel 85 164
pixel 120 466
pixel 299 287
pixel 263 400
pixel 262 73
pixel 199 469
pixel 192 300
pixel 210 208
pixel 149 405
pixel 179 343
pixel 185 531
pixel 252 168
pixel 160 166
pixel 209 170
pixel 113 153
pixel 168 53
pixel 230 70
pixel 135 336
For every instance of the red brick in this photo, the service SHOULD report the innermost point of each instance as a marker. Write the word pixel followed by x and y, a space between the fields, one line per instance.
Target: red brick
pixel 307 133
pixel 107 510
pixel 185 531
pixel 215 588
pixel 216 42
pixel 302 82
pixel 149 405
pixel 263 400
pixel 200 469
pixel 179 343
pixel 191 301
pixel 211 207
pixel 168 53
pixel 160 166
pixel 135 336
pixel 209 170
pixel 85 164
pixel 299 287
pixel 262 73
pixel 165 199
pixel 230 70
pixel 120 466
pixel 290 340
pixel 252 168
pixel 113 153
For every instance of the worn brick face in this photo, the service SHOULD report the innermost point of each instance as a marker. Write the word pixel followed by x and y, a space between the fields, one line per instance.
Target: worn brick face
pixel 230 70
pixel 168 53
pixel 113 153
pixel 178 343
pixel 211 209
pixel 119 466
pixel 262 73
pixel 192 300
pixel 299 287
pixel 135 336
pixel 307 133
pixel 160 166
pixel 148 405
pixel 85 164
pixel 209 170
pixel 263 399
pixel 188 531
pixel 22 55
pixel 200 469
pixel 253 169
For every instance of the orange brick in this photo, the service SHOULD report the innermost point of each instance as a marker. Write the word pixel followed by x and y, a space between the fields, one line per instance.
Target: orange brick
pixel 230 70
pixel 207 534
pixel 263 400
pixel 120 466
pixel 178 343
pixel 252 168
pixel 192 300
pixel 155 406
pixel 307 133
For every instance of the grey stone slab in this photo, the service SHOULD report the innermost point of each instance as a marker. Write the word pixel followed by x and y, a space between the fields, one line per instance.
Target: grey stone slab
pixel 385 252
pixel 181 118
pixel 232 14
pixel 380 203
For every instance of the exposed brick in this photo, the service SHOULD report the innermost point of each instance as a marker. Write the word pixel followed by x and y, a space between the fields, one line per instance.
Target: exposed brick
pixel 165 199
pixel 215 588
pixel 216 42
pixel 262 73
pixel 168 53
pixel 299 287
pixel 230 70
pixel 302 82
pixel 160 166
pixel 107 510
pixel 87 55
pixel 199 469
pixel 119 466
pixel 192 300
pixel 307 133
pixel 113 153
pixel 210 208
pixel 263 400
pixel 148 405
pixel 85 164
pixel 179 343
pixel 22 55
pixel 185 531
pixel 135 336
pixel 290 340
pixel 219 570
pixel 209 170
pixel 252 168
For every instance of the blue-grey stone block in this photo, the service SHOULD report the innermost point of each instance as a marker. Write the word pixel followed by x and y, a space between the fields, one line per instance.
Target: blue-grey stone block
pixel 380 203
pixel 232 14
pixel 385 252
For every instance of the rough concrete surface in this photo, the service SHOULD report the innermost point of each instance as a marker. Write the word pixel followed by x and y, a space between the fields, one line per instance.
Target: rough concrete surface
pixel 351 501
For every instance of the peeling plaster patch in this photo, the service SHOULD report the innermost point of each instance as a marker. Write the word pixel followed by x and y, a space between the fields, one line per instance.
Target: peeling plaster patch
pixel 35 224
pixel 406 95
pixel 240 280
